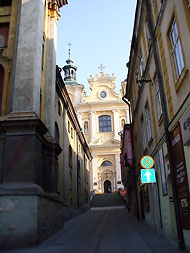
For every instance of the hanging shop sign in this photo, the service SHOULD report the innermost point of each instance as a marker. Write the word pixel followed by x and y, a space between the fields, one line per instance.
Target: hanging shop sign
pixel 181 177
pixel 128 145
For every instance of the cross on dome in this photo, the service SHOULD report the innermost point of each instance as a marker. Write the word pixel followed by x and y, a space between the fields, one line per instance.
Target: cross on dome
pixel 101 67
pixel 69 49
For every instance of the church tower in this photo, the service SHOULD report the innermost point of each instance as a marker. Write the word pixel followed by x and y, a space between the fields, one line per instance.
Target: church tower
pixel 74 89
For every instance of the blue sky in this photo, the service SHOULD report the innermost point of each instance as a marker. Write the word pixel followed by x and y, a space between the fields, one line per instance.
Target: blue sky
pixel 100 32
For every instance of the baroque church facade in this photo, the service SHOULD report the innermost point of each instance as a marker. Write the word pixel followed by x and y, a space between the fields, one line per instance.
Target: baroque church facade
pixel 102 115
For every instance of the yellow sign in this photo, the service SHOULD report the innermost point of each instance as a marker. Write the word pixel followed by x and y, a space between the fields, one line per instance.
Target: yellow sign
pixel 147 162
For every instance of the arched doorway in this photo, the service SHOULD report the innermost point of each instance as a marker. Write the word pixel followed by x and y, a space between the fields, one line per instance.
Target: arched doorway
pixel 107 186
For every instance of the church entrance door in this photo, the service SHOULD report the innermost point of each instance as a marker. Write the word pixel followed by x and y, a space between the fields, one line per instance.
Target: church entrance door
pixel 107 186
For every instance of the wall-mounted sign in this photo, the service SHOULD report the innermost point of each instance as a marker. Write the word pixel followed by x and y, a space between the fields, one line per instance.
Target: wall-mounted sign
pixel 181 178
pixel 128 145
pixel 185 128
pixel 123 193
pixel 148 176
pixel 147 162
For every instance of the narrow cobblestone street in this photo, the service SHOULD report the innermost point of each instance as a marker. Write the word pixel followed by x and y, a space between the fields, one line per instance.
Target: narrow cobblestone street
pixel 104 230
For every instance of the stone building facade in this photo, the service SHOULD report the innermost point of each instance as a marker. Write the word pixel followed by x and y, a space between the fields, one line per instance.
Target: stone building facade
pixel 158 87
pixel 35 140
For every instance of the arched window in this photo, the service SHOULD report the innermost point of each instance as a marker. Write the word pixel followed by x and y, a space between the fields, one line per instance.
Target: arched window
pixel 2 74
pixel 85 127
pixel 106 163
pixel 105 123
pixel 56 132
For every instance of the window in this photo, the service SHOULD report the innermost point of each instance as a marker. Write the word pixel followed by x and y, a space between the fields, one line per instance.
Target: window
pixel 56 132
pixel 105 123
pixel 139 68
pixel 148 32
pixel 103 94
pixel 85 127
pixel 4 32
pixel 5 3
pixel 59 108
pixel 176 49
pixel 122 124
pixel 144 138
pixel 106 163
pixel 69 126
pixel 70 156
pixel 148 123
pixel 2 74
pixel 158 99
pixel 141 64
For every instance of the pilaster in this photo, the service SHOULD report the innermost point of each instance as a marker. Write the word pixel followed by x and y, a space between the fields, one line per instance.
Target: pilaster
pixel 116 124
pixel 27 78
pixel 118 169
pixel 92 126
pixel 48 113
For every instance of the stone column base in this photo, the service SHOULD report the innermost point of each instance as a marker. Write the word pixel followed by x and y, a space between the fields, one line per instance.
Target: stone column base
pixel 30 209
pixel 28 215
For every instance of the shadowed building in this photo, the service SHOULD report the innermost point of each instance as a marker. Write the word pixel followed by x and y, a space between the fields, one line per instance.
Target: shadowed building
pixel 158 87
pixel 37 151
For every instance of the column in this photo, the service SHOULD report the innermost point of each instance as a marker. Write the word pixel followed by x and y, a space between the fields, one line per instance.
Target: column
pixel 94 174
pixel 117 169
pixel 116 122
pixel 27 67
pixel 127 116
pixel 79 117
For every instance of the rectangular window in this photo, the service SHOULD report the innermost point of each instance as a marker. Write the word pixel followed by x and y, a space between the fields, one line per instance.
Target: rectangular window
pixel 105 123
pixel 158 99
pixel 141 64
pixel 5 3
pixel 148 32
pixel 148 123
pixel 144 138
pixel 176 49
pixel 4 33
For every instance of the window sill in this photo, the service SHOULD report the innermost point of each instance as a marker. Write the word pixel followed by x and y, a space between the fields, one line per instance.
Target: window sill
pixel 160 120
pixel 180 79
pixel 150 141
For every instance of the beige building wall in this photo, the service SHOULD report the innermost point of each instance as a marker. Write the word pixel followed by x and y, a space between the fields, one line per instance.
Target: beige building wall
pixel 150 69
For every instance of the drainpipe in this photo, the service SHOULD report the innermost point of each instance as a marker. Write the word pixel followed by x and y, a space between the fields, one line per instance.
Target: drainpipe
pixel 181 243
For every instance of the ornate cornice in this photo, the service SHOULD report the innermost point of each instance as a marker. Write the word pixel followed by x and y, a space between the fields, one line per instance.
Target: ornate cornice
pixel 60 3
pixel 53 7
pixel 53 10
